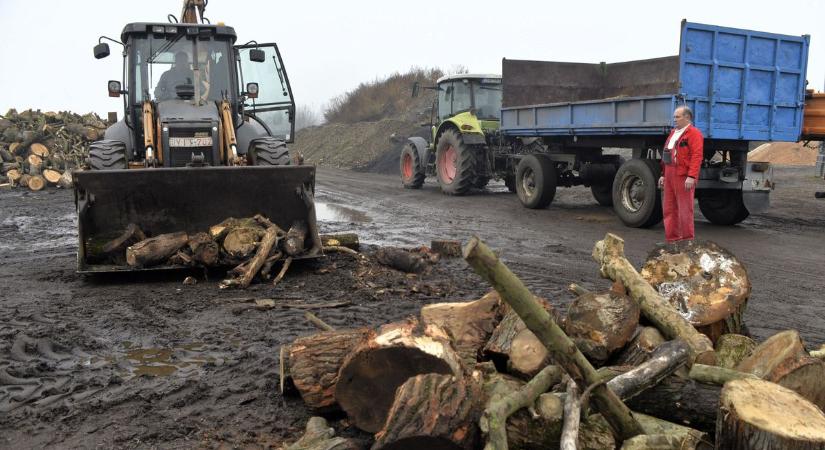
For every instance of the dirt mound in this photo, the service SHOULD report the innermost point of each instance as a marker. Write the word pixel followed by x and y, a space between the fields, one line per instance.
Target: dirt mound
pixel 368 146
pixel 786 153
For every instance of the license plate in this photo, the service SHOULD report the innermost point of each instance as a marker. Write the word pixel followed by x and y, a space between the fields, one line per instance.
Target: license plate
pixel 190 141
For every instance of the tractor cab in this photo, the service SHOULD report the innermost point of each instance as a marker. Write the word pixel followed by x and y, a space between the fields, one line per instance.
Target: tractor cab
pixel 478 94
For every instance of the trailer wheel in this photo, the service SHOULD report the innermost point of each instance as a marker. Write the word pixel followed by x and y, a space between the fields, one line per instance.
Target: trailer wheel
pixel 107 155
pixel 268 151
pixel 536 181
pixel 481 182
pixel 636 197
pixel 455 164
pixel 603 193
pixel 412 172
pixel 510 182
pixel 723 206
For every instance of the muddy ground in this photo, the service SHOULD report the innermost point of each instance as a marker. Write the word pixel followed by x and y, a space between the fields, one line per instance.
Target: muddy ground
pixel 145 361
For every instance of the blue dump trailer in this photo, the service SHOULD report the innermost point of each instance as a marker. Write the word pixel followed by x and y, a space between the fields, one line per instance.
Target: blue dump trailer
pixel 743 86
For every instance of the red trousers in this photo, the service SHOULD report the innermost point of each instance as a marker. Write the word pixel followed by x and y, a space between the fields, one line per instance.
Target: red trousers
pixel 677 206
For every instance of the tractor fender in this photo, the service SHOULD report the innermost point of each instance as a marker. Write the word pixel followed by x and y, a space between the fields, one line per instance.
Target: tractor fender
pixel 421 147
pixel 120 132
pixel 248 132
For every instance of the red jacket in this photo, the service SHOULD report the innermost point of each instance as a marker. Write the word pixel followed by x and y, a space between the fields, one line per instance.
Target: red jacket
pixel 689 152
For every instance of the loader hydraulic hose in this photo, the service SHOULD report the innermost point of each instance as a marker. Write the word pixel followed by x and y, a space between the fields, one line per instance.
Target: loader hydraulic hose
pixel 149 132
pixel 229 133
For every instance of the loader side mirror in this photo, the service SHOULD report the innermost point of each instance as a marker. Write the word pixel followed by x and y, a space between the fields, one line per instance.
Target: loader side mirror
pixel 101 50
pixel 114 88
pixel 415 88
pixel 252 90
pixel 257 55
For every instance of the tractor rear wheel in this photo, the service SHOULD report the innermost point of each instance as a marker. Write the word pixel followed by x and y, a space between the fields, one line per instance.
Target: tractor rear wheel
pixel 108 155
pixel 455 164
pixel 536 181
pixel 412 172
pixel 723 206
pixel 268 151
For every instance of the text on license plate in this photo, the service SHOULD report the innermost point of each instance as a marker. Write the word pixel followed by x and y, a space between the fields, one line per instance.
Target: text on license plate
pixel 190 141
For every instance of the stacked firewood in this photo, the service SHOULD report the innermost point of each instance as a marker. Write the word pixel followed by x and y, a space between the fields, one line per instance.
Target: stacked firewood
pixel 39 149
pixel 657 361
pixel 252 245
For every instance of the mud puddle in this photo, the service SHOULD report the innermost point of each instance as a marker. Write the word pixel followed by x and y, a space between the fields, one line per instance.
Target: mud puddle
pixel 331 212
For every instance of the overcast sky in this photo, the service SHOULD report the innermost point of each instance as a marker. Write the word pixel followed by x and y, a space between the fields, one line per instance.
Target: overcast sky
pixel 329 47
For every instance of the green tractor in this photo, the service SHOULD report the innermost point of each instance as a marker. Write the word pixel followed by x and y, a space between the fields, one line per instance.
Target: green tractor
pixel 464 149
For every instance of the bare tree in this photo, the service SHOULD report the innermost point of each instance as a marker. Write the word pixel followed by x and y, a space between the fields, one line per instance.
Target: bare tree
pixel 306 116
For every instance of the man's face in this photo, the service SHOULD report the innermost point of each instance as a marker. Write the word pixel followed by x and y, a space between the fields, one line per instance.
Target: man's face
pixel 680 119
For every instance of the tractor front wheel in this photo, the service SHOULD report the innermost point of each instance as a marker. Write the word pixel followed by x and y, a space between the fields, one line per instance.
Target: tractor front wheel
pixel 412 172
pixel 455 164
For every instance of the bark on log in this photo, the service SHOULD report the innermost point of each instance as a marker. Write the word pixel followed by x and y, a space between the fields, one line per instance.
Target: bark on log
pixel 601 323
pixel 348 240
pixel 717 375
pixel 314 362
pixel 242 275
pixel 468 324
pixel 572 414
pixel 684 437
pixel 294 242
pixel 433 411
pixel 646 340
pixel 242 241
pixel 7 166
pixel 14 176
pixel 732 349
pixel 51 176
pixel 66 180
pixel 24 180
pixel 756 414
pixel 665 360
pixel 609 253
pixel 663 442
pixel 704 282
pixel 6 155
pixel 514 349
pixel 115 249
pixel 219 231
pixel 205 251
pixel 36 183
pixel 782 359
pixel 400 259
pixel 447 249
pixel 320 436
pixel 562 349
pixel 155 250
pixel 373 371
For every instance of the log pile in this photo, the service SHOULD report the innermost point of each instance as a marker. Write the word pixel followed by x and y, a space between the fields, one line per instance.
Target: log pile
pixel 623 368
pixel 40 149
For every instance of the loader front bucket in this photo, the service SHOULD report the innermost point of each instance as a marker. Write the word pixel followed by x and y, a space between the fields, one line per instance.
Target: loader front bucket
pixel 191 199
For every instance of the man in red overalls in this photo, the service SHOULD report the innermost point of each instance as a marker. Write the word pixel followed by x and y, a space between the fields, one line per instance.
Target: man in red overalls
pixel 681 161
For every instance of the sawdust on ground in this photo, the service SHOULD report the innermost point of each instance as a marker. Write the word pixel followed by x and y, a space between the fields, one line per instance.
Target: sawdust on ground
pixel 786 153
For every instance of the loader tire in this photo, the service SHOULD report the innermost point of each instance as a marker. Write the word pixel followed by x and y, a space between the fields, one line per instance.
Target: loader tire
pixel 454 164
pixel 268 152
pixel 412 171
pixel 108 155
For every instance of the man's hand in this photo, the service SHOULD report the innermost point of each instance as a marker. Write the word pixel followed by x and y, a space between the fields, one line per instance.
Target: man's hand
pixel 690 183
pixel 661 182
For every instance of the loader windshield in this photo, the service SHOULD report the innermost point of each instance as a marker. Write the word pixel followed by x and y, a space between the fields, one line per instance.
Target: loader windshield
pixel 164 65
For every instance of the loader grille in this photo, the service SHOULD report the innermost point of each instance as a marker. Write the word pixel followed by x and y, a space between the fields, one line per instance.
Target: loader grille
pixel 181 156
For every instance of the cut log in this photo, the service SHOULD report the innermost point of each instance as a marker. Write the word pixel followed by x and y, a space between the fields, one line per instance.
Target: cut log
pixel 219 231
pixel 664 361
pixel 682 401
pixel 732 349
pixel 782 359
pixel 115 249
pixel 314 362
pixel 609 253
pixel 155 250
pixel 601 323
pixel 242 275
pixel 717 375
pixel 758 415
pixel 35 161
pixel 375 369
pixel 400 259
pixel 434 411
pixel 640 347
pixel 6 155
pixel 563 350
pixel 572 414
pixel 36 183
pixel 320 436
pixel 205 251
pixel 294 242
pixel 515 349
pixel 40 150
pixel 52 176
pixel 664 442
pixel 14 176
pixel 704 282
pixel 468 324
pixel 6 167
pixel 24 180
pixel 241 241
pixel 683 437
pixel 447 249
pixel 66 181
pixel 348 240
